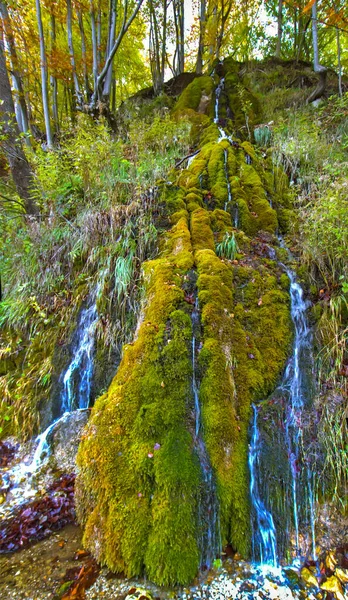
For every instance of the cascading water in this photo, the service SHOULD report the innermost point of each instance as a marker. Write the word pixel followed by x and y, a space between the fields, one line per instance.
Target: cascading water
pixel 77 379
pixel 264 538
pixel 294 384
pixel 293 388
pixel 210 544
pixel 229 193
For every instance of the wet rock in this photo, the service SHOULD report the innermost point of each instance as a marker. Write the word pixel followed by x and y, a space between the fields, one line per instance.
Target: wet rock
pixel 66 438
pixel 139 594
pixel 309 578
pixel 342 575
pixel 334 586
pixel 330 561
pixel 292 576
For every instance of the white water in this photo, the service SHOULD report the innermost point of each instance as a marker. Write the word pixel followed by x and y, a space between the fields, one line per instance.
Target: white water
pixel 265 535
pixel 208 517
pixel 293 384
pixel 77 379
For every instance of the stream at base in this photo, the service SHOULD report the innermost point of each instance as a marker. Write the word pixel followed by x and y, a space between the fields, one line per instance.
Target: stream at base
pixel 20 482
pixel 295 394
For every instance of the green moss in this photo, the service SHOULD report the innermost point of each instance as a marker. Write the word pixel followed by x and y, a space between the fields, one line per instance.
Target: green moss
pixel 202 236
pixel 192 95
pixel 129 494
pixel 139 506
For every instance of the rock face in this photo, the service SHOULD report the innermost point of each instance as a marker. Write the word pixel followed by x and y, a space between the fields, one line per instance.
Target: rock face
pixel 178 410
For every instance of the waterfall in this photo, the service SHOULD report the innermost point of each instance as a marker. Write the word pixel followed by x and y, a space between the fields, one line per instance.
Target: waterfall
pixel 235 216
pixel 208 514
pixel 217 100
pixel 77 379
pixel 264 535
pixel 293 385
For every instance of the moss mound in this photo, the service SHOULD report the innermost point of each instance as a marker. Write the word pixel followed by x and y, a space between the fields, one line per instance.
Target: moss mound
pixel 139 490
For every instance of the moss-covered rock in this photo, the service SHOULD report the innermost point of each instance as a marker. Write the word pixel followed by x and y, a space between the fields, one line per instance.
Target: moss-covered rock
pixel 139 491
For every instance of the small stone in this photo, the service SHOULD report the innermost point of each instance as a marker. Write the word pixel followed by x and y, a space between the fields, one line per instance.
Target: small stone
pixel 342 575
pixel 330 561
pixel 334 586
pixel 308 578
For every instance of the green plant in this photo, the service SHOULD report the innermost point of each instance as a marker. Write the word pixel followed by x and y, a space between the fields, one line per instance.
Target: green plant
pixel 228 247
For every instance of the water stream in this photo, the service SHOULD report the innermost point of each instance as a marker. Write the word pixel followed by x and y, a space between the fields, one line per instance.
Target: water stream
pixel 264 538
pixel 77 378
pixel 294 389
pixel 77 381
pixel 208 514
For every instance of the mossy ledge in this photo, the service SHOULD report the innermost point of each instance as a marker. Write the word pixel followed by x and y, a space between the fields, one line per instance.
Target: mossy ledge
pixel 138 492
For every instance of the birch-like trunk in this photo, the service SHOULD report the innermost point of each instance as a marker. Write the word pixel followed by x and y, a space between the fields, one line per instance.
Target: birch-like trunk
pixel 280 29
pixel 44 77
pixel 111 41
pixel 72 54
pixel 199 63
pixel 53 79
pixel 17 78
pixel 11 144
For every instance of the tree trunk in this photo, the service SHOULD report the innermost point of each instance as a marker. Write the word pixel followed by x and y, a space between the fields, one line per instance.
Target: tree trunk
pixel 53 79
pixel 72 54
pixel 280 28
pixel 15 66
pixel 111 41
pixel 83 52
pixel 339 64
pixel 123 30
pixel 316 63
pixel 44 86
pixel 164 41
pixel 199 63
pixel 94 44
pixel 11 144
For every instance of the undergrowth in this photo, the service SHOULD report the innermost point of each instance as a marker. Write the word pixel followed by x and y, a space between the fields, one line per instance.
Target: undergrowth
pixel 312 145
pixel 96 227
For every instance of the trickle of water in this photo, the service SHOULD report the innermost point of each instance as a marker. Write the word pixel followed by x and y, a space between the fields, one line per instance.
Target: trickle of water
pixel 293 383
pixel 217 100
pixel 77 379
pixel 208 513
pixel 294 386
pixel 264 534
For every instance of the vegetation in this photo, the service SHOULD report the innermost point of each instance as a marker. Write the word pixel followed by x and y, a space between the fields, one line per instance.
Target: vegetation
pixel 168 205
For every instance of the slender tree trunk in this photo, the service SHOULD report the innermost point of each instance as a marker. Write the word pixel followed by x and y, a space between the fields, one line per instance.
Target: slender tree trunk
pixel 44 86
pixel 53 79
pixel 280 28
pixel 164 41
pixel 199 63
pixel 316 63
pixel 99 19
pixel 111 41
pixel 94 44
pixel 83 52
pixel 15 66
pixel 123 30
pixel 10 143
pixel 72 54
pixel 339 63
pixel 178 9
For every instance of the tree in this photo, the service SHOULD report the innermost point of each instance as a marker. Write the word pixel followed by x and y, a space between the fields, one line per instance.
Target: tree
pixel 44 76
pixel 24 120
pixel 280 28
pixel 11 143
